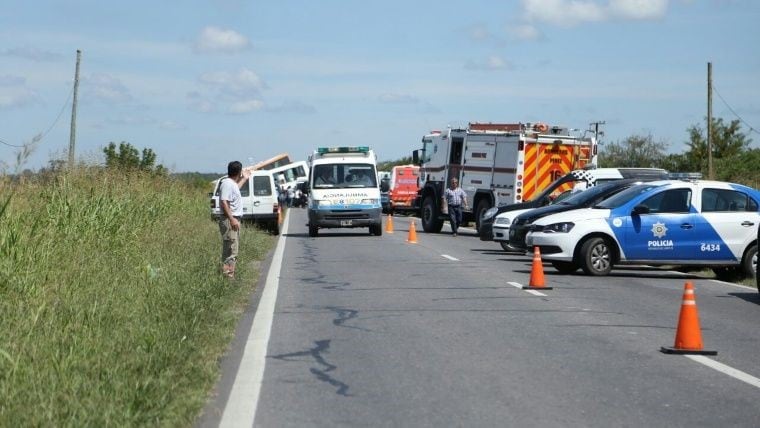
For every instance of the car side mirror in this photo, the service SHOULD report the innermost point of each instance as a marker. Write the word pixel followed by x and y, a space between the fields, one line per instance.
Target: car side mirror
pixel 640 209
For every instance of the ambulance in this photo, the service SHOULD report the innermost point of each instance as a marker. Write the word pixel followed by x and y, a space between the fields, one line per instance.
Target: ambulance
pixel 496 164
pixel 343 190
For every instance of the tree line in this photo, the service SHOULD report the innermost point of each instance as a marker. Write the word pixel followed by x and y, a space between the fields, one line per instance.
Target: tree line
pixel 733 159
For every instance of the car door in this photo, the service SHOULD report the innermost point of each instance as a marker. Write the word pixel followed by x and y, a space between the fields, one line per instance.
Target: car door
pixel 262 195
pixel 663 228
pixel 726 225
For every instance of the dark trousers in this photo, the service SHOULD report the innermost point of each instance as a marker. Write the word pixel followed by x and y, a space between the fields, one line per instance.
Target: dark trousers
pixel 455 217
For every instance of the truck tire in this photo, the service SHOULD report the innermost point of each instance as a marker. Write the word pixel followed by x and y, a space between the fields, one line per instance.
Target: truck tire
pixel 483 206
pixel 596 257
pixel 313 231
pixel 430 212
pixel 274 227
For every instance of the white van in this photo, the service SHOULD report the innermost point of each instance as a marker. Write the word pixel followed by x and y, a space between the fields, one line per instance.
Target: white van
pixel 343 189
pixel 259 196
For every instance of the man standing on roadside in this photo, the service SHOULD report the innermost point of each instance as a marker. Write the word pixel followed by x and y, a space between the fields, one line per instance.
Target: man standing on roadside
pixel 232 211
pixel 455 197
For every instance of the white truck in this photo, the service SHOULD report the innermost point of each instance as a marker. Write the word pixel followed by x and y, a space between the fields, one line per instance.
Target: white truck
pixel 496 164
pixel 343 189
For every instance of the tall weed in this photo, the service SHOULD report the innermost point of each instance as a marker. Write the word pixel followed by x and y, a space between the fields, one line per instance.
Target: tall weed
pixel 112 307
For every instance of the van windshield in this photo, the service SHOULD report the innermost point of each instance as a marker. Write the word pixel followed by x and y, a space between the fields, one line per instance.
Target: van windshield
pixel 345 176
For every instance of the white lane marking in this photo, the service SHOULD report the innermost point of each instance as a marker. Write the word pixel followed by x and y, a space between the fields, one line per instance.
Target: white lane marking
pixel 240 410
pixel 520 286
pixel 716 280
pixel 446 256
pixel 734 373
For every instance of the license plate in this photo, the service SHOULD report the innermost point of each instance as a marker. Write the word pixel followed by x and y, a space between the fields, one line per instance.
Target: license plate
pixel 345 222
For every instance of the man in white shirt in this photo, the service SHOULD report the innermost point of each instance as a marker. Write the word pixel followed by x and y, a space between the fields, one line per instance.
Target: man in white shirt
pixel 231 203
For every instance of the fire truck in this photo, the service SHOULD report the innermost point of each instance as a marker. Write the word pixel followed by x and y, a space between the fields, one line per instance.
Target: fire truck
pixel 496 164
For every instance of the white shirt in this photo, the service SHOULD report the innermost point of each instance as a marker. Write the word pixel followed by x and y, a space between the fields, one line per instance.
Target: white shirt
pixel 230 192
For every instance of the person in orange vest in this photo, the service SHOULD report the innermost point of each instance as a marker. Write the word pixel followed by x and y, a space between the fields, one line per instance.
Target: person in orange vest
pixel 456 198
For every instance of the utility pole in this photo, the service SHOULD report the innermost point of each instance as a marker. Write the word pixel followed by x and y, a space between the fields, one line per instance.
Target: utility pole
pixel 709 123
pixel 73 136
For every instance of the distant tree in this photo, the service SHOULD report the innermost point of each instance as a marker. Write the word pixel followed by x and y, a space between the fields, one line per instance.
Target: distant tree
pixel 387 165
pixel 634 151
pixel 128 157
pixel 727 142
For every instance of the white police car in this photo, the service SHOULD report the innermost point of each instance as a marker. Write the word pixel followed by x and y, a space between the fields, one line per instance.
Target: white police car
pixel 670 222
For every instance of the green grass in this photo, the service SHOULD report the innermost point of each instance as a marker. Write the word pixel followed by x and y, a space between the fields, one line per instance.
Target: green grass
pixel 112 307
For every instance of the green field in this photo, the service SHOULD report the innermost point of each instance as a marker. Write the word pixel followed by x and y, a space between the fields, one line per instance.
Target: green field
pixel 112 306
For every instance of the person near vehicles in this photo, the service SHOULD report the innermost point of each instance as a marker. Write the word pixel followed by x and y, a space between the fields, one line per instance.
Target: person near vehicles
pixel 325 176
pixel 290 196
pixel 232 211
pixel 363 178
pixel 456 198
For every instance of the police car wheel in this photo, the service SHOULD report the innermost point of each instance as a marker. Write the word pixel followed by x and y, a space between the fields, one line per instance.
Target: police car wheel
pixel 313 231
pixel 596 257
pixel 749 262
pixel 564 267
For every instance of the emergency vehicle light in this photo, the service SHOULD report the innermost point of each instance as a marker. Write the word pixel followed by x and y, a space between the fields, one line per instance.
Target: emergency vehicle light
pixel 343 149
pixel 686 176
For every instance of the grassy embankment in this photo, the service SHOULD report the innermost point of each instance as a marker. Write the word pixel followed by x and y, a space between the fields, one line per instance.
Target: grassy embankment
pixel 112 308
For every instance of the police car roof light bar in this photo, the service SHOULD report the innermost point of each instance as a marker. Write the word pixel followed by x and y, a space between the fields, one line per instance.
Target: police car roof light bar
pixel 685 176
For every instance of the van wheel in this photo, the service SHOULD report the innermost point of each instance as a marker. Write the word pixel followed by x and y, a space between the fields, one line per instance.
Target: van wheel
pixel 313 231
pixel 596 257
pixel 274 227
pixel 506 247
pixel 376 230
pixel 430 221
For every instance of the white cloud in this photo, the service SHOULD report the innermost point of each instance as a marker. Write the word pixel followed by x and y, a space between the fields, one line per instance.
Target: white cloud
pixel 219 40
pixel 297 107
pixel 242 81
pixel 15 94
pixel 525 32
pixel 32 54
pixel 398 99
pixel 171 125
pixel 492 63
pixel 245 106
pixel 106 88
pixel 639 9
pixel 569 13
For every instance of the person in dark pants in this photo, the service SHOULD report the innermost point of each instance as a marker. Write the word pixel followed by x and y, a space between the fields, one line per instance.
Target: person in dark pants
pixel 455 197
pixel 757 266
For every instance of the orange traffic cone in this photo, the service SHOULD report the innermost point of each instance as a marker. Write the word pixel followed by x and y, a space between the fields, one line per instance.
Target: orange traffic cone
pixel 389 224
pixel 688 333
pixel 412 238
pixel 536 273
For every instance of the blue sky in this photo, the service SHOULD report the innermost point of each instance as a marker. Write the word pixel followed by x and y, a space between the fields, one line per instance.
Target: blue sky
pixel 203 82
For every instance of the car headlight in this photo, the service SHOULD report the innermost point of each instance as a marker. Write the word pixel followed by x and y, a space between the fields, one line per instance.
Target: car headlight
pixel 321 203
pixel 490 213
pixel 369 201
pixel 502 220
pixel 563 227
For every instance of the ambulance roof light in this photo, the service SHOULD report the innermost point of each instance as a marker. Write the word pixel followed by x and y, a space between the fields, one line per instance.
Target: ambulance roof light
pixel 343 149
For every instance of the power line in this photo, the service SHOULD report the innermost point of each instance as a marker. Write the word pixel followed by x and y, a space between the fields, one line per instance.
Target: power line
pixel 50 128
pixel 752 129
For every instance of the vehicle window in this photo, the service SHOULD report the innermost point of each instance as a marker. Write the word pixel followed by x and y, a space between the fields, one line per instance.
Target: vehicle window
pixel 669 201
pixel 625 196
pixel 726 200
pixel 588 194
pixel 245 191
pixel 262 186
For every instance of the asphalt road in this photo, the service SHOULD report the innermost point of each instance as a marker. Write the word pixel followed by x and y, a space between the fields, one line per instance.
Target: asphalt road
pixel 375 331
